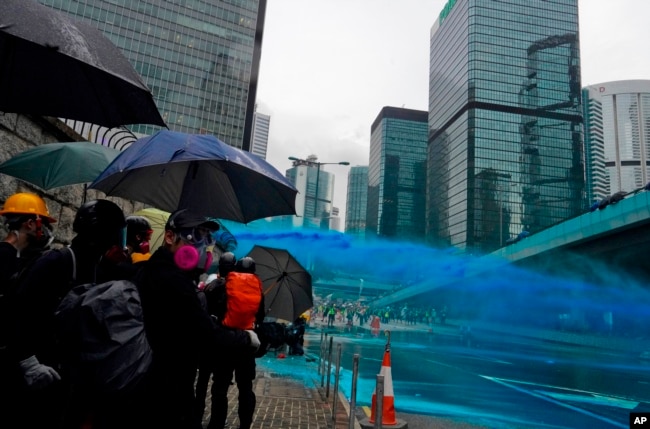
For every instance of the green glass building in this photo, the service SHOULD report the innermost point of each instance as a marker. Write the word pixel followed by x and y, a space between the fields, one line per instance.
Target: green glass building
pixel 397 174
pixel 200 58
pixel 357 201
pixel 505 144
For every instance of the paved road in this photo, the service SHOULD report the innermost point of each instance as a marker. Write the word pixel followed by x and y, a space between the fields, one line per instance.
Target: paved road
pixel 515 382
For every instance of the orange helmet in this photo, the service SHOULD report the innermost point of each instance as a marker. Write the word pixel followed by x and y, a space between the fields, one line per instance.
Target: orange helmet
pixel 24 203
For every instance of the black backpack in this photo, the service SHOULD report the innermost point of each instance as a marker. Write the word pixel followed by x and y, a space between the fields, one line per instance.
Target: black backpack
pixel 101 330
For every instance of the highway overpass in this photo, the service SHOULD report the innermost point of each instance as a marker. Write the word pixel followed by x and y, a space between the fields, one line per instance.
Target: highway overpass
pixel 617 236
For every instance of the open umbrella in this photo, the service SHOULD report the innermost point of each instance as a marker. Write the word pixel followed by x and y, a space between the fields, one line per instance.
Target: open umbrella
pixel 56 66
pixel 157 219
pixel 286 283
pixel 171 170
pixel 223 238
pixel 52 165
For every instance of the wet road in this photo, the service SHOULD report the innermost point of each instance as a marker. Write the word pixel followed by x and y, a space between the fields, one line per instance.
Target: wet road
pixel 503 383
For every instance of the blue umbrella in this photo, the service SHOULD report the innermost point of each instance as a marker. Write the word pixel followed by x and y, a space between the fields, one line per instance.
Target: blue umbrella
pixel 171 170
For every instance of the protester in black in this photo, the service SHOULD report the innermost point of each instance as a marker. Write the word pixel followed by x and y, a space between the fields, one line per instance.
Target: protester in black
pixel 177 326
pixel 214 300
pixel 241 285
pixel 93 257
pixel 28 220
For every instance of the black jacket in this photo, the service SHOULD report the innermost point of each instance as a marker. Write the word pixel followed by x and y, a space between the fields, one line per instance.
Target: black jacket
pixel 41 289
pixel 178 329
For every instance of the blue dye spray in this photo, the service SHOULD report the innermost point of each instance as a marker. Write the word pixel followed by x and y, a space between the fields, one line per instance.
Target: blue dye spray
pixel 590 298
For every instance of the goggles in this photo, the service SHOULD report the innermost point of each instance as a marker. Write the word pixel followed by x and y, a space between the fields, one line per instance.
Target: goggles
pixel 197 236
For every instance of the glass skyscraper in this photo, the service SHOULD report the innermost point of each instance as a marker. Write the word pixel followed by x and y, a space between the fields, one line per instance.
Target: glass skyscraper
pixel 357 200
pixel 200 58
pixel 619 115
pixel 505 147
pixel 397 174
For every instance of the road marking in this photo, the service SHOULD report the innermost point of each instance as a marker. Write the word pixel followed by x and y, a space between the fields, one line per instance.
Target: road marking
pixel 487 359
pixel 553 401
pixel 592 399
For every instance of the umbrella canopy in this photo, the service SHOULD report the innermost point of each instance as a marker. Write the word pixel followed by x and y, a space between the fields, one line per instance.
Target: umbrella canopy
pixel 223 238
pixel 171 170
pixel 59 164
pixel 55 66
pixel 287 284
pixel 157 219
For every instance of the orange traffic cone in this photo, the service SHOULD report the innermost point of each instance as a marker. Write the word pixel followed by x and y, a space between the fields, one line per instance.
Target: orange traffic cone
pixel 388 406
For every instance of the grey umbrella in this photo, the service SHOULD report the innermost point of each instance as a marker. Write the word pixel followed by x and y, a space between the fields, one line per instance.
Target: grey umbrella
pixel 53 65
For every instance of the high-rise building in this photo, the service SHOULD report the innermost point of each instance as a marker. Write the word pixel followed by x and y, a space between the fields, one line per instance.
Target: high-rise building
pixel 397 174
pixel 200 58
pixel 617 123
pixel 505 148
pixel 335 220
pixel 357 200
pixel 315 192
pixel 597 182
pixel 260 138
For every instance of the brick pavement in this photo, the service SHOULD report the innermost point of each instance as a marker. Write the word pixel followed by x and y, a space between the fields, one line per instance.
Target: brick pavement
pixel 286 403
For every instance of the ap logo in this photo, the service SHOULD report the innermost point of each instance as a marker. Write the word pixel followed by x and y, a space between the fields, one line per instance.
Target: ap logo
pixel 639 420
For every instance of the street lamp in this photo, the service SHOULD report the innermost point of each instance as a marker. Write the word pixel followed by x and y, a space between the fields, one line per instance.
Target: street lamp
pixel 311 163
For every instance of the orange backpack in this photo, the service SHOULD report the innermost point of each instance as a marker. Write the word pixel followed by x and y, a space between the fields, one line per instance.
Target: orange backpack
pixel 243 298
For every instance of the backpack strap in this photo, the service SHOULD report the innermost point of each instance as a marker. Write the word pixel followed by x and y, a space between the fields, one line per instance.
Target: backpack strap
pixel 74 264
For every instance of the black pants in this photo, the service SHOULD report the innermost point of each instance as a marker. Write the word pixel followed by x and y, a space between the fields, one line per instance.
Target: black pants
pixel 243 365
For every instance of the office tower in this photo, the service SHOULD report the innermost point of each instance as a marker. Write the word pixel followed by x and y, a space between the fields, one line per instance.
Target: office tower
pixel 260 138
pixel 200 58
pixel 597 182
pixel 357 200
pixel 505 150
pixel 617 124
pixel 397 174
pixel 335 220
pixel 315 192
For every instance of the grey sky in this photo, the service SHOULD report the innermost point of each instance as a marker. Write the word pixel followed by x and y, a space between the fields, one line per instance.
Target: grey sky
pixel 328 67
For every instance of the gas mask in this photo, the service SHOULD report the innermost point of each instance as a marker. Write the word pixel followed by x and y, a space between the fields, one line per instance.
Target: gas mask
pixel 196 253
pixel 42 237
pixel 143 245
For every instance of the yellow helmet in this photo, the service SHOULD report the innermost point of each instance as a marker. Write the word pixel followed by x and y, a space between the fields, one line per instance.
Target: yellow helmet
pixel 24 203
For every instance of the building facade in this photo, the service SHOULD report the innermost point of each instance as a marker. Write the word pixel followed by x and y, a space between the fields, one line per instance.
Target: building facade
pixel 397 174
pixel 200 58
pixel 357 200
pixel 617 124
pixel 315 193
pixel 260 138
pixel 597 181
pixel 505 145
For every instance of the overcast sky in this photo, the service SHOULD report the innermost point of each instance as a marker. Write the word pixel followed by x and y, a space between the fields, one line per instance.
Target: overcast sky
pixel 328 67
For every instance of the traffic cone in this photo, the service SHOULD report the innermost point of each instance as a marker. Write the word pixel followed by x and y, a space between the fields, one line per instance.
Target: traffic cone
pixel 388 406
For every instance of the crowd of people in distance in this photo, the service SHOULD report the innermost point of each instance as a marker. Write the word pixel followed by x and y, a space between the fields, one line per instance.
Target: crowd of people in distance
pixel 354 313
pixel 186 328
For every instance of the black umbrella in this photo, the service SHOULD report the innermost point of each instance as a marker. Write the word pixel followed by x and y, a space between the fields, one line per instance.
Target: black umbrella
pixel 53 65
pixel 286 283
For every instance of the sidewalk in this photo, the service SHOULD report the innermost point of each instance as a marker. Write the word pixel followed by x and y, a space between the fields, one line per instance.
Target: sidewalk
pixel 289 396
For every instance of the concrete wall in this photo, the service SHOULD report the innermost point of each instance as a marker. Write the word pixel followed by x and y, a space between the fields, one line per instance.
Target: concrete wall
pixel 21 132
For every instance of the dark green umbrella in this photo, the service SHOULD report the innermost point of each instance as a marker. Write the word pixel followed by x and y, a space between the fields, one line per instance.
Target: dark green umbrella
pixel 59 164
